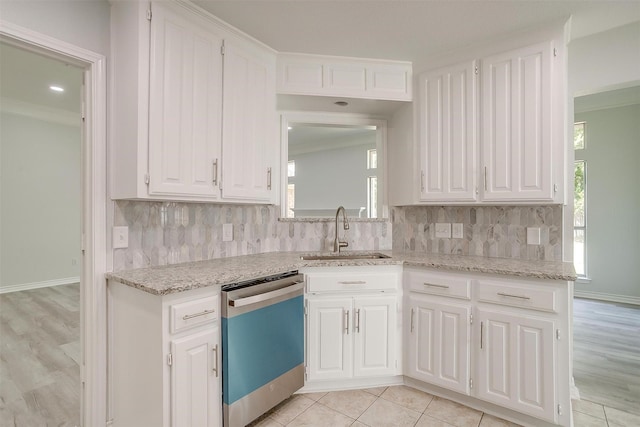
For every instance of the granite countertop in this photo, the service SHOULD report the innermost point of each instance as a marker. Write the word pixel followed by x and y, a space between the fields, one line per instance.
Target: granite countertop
pixel 175 278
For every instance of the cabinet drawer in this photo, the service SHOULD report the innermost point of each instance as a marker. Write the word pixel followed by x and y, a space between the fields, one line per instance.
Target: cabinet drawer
pixel 323 282
pixel 517 295
pixel 449 285
pixel 193 313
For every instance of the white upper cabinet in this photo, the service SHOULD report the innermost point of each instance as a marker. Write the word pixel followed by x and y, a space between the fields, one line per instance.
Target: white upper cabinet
pixel 492 130
pixel 516 126
pixel 447 102
pixel 300 74
pixel 169 140
pixel 184 104
pixel 249 124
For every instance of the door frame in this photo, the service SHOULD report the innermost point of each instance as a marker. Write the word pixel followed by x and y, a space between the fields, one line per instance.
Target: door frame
pixel 93 294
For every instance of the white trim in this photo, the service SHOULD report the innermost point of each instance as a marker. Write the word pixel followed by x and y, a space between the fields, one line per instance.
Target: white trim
pixel 583 280
pixel 93 305
pixel 38 285
pixel 40 112
pixel 625 299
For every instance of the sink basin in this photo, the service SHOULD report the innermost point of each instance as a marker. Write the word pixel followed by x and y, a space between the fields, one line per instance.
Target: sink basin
pixel 330 257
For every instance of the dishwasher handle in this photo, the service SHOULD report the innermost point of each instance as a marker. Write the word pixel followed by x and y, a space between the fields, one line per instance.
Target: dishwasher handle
pixel 254 299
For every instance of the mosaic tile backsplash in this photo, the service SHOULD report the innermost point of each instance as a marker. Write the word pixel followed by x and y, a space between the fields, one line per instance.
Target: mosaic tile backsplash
pixel 162 233
pixel 490 231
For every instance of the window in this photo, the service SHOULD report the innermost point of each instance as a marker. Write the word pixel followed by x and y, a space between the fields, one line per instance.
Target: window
pixel 291 168
pixel 579 205
pixel 578 135
pixel 372 196
pixel 291 200
pixel 372 159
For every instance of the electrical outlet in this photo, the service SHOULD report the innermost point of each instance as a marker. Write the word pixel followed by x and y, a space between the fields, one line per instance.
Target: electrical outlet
pixel 120 237
pixel 227 232
pixel 74 261
pixel 533 235
pixel 443 230
pixel 457 230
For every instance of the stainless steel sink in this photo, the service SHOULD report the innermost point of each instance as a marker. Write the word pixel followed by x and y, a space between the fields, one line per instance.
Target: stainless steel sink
pixel 347 256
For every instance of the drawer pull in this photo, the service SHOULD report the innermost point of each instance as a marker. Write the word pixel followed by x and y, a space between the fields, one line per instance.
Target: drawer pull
pixel 357 322
pixel 412 310
pixel 481 335
pixel 514 296
pixel 353 282
pixel 433 285
pixel 202 313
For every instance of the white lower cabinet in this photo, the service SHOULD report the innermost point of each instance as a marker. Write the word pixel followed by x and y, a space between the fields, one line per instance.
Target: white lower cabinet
pixel 439 350
pixel 352 334
pixel 164 358
pixel 495 339
pixel 194 384
pixel 516 363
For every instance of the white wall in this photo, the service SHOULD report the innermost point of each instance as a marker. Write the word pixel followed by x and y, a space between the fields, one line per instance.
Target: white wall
pixel 612 154
pixel 604 60
pixel 331 178
pixel 40 200
pixel 84 23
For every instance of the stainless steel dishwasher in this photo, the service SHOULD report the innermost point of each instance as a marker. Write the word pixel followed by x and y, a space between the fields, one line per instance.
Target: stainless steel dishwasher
pixel 262 345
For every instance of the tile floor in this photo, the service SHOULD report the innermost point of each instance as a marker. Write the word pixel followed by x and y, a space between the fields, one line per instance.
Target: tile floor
pixel 400 406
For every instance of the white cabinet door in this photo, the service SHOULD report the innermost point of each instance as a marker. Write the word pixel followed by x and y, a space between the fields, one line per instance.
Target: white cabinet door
pixel 250 140
pixel 185 101
pixel 439 351
pixel 195 388
pixel 374 332
pixel 329 339
pixel 448 133
pixel 516 124
pixel 516 363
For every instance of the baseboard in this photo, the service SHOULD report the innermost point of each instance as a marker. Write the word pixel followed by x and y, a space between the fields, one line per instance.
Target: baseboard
pixel 607 297
pixel 37 285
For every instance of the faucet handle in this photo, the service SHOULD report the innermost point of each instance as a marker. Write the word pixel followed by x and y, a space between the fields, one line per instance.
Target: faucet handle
pixel 346 225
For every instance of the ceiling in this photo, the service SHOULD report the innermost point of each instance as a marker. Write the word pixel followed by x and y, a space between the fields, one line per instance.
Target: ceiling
pixel 408 30
pixel 26 76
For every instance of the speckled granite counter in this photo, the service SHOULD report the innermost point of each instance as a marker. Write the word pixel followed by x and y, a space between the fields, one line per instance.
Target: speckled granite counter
pixel 181 277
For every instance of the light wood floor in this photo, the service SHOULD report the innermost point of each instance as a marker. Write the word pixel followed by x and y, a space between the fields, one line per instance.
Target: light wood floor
pixel 606 358
pixel 39 354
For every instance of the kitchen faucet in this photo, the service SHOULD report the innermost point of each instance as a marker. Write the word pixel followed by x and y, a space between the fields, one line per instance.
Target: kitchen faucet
pixel 337 243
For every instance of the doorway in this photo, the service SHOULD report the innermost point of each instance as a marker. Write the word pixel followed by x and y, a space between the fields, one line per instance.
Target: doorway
pixel 94 249
pixel 40 235
pixel 606 248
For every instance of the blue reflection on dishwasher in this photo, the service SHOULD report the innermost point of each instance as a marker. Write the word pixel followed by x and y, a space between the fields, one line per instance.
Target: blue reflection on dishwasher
pixel 266 343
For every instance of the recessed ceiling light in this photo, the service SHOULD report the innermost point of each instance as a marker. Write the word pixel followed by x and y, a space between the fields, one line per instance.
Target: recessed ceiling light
pixel 341 103
pixel 56 88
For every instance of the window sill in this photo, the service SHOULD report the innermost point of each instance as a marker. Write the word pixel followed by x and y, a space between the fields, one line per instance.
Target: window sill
pixel 583 280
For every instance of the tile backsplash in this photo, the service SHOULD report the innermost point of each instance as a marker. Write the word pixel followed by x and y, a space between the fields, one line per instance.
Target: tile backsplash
pixel 163 233
pixel 490 231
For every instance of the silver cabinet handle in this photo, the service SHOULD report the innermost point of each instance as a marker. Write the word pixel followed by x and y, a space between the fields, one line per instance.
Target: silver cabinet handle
pixel 215 359
pixel 514 296
pixel 215 172
pixel 353 282
pixel 433 285
pixel 357 321
pixel 422 181
pixel 268 178
pixel 481 334
pixel 412 311
pixel 346 322
pixel 485 178
pixel 202 313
